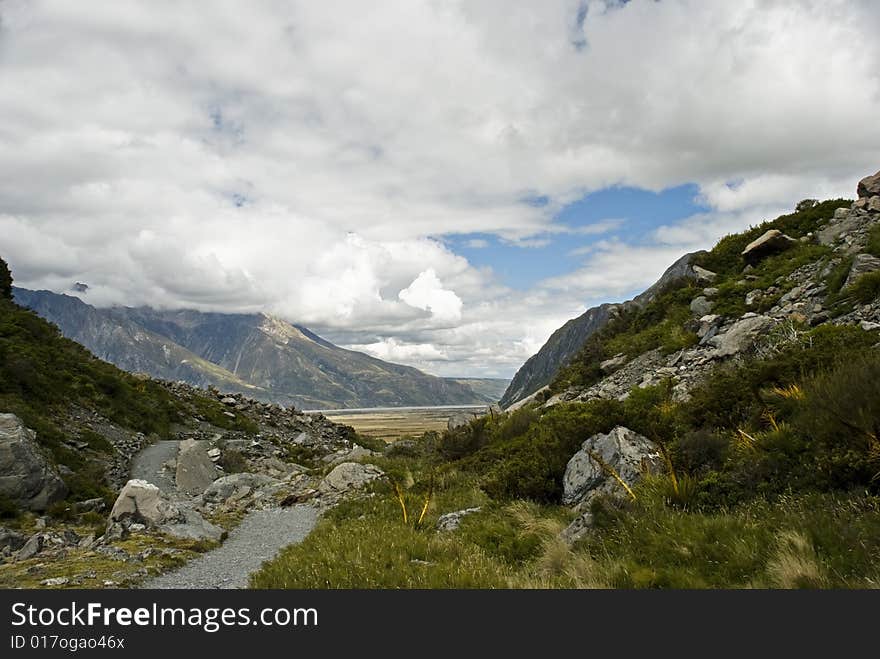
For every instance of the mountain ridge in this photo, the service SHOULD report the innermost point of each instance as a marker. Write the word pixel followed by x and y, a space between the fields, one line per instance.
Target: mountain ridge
pixel 258 354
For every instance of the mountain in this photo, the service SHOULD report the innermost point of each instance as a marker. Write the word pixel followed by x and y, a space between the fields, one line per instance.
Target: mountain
pixel 490 388
pixel 542 367
pixel 265 357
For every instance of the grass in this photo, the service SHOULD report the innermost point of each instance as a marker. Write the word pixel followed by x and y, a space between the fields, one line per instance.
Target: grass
pixel 390 425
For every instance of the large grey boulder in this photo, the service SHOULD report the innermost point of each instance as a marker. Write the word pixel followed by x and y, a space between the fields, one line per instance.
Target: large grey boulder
pixel 623 450
pixel 701 306
pixel 10 540
pixel 349 476
pixel 862 265
pixel 451 521
pixel 26 476
pixel 740 336
pixel 144 503
pixel 195 469
pixel 193 527
pixel 770 242
pixel 223 488
pixel 869 186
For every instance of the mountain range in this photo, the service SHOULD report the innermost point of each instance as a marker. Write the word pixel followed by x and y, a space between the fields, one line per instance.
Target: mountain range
pixel 263 356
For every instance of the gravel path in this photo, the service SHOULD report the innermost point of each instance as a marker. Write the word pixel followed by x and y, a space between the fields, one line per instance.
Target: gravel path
pixel 147 464
pixel 261 535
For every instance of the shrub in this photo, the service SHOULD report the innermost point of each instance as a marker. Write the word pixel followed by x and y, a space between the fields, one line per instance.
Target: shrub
pixel 873 246
pixel 867 287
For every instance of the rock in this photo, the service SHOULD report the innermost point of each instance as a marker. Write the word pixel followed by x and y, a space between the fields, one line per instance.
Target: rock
pixel 771 242
pixel 223 488
pixel 349 476
pixel 214 454
pixel 96 505
pixel 228 400
pixel 406 448
pixel 862 265
pixel 460 420
pixel 869 186
pixel 626 452
pixel 193 527
pixel 195 470
pixel 140 501
pixel 613 364
pixel 868 326
pixel 31 548
pixel 11 540
pixel 710 292
pixel 701 306
pixel 753 297
pixel 740 336
pixel 357 453
pixel 451 521
pixel 578 528
pixel 55 581
pixel 707 323
pixel 26 476
pixel 703 275
pixel 873 205
pixel 841 213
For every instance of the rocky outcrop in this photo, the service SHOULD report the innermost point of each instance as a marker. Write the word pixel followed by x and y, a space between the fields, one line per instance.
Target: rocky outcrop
pixel 770 242
pixel 195 469
pixel 236 486
pixel 740 336
pixel 143 503
pixel 862 265
pixel 451 521
pixel 349 476
pixel 869 186
pixel 541 368
pixel 26 476
pixel 591 471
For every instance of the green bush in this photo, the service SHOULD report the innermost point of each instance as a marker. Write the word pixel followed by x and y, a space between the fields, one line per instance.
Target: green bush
pixel 873 246
pixel 866 288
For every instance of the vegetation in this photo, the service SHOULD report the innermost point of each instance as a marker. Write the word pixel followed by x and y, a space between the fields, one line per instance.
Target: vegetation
pixel 773 475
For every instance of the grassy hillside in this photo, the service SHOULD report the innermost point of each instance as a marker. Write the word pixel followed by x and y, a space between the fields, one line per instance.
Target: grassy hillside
pixel 60 390
pixel 773 475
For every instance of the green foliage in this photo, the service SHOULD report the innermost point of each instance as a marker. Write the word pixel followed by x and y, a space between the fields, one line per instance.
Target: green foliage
pixel 867 287
pixel 215 413
pixel 233 462
pixel 96 442
pixel 873 246
pixel 837 277
pixel 8 507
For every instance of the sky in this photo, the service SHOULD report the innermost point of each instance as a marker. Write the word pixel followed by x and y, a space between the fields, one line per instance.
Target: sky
pixel 440 183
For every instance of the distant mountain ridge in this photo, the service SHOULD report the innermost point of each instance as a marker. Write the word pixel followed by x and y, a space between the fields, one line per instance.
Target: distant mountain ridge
pixel 263 356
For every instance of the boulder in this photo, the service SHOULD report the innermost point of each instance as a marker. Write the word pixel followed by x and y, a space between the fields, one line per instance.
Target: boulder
pixel 349 476
pixel 451 521
pixel 613 364
pixel 460 420
pixel 26 476
pixel 31 548
pixel 873 205
pixel 703 276
pixel 10 540
pixel 193 527
pixel 770 242
pixel 622 450
pixel 407 448
pixel 740 336
pixel 578 528
pixel 223 488
pixel 862 265
pixel 195 469
pixel 143 502
pixel 869 186
pixel 701 306
pixel 356 453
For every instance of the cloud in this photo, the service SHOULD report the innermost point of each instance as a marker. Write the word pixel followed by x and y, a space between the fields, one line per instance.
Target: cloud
pixel 427 293
pixel 299 157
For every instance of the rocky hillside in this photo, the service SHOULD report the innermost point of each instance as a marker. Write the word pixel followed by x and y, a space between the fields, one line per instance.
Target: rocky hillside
pixel 265 357
pixel 542 367
pixel 756 291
